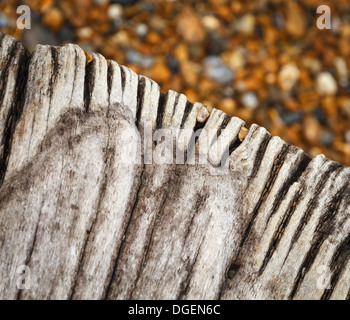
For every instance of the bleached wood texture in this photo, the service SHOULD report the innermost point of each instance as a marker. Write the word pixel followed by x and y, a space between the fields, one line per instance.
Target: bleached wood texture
pixel 92 224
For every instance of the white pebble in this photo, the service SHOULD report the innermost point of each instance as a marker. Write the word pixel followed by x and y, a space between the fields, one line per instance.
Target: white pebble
pixel 115 11
pixel 246 24
pixel 326 84
pixel 141 30
pixel 84 32
pixel 250 100
pixel 210 22
pixel 236 59
pixel 288 76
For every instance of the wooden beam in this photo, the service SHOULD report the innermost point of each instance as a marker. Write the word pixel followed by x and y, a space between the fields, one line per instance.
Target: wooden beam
pixel 111 189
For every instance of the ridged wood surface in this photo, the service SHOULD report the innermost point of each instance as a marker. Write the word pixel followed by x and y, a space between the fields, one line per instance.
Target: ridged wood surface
pixel 96 216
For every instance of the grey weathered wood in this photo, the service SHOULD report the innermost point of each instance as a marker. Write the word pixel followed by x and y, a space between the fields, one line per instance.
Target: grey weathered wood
pixel 90 223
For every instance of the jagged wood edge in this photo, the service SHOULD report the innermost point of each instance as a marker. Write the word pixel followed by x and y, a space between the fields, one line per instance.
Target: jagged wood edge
pixel 279 194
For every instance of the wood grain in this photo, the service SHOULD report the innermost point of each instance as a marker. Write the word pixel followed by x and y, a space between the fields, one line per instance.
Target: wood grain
pixel 88 206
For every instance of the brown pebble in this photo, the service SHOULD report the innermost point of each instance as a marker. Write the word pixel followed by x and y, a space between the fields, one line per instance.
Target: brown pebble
pixel 312 130
pixel 229 106
pixel 203 114
pixel 242 133
pixel 88 56
pixel 53 18
pixel 160 73
pixel 189 26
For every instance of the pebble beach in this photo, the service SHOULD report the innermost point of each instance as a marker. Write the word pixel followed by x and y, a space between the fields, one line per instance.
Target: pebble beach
pixel 265 61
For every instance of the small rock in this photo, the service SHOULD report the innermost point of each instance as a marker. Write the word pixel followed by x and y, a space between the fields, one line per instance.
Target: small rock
pixel 242 133
pixel 288 76
pixel 329 106
pixel 190 72
pixel 291 117
pixel 240 86
pixel 147 61
pixel 53 18
pixel 320 116
pixel 217 44
pixel 115 12
pixel 120 38
pixel 326 84
pixel 189 26
pixel 134 57
pixel 250 100
pixel 327 138
pixel 245 24
pixel 203 114
pixel 271 78
pixel 173 64
pixel 229 106
pixel 160 73
pixel 153 37
pixel 157 23
pixel 336 24
pixel 141 30
pixel 235 59
pixel 344 82
pixel 228 92
pixel 245 113
pixel 296 20
pixel 279 20
pixel 3 21
pixel 341 67
pixel 84 33
pixel 181 52
pixel 88 57
pixel 312 64
pixel 270 65
pixel 216 70
pixel 311 130
pixel 210 22
pixel 208 86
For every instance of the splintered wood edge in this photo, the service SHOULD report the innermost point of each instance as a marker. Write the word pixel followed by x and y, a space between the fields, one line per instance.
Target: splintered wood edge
pixel 288 217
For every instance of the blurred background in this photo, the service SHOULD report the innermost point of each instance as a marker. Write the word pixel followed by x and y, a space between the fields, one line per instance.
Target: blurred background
pixel 264 61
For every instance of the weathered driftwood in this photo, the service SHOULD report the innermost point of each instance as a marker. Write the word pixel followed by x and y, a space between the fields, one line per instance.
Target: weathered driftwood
pixel 90 224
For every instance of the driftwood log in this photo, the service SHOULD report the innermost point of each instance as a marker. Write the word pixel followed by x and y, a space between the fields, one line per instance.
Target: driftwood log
pixel 86 221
